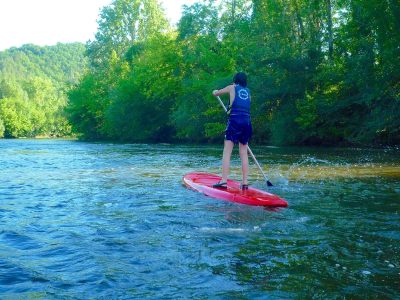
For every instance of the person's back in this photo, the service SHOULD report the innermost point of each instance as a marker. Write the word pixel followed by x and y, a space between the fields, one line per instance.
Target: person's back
pixel 241 104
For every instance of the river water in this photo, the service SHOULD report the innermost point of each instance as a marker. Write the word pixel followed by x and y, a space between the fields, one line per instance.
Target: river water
pixel 97 220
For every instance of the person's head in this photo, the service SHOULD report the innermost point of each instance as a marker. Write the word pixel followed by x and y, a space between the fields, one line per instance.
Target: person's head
pixel 240 79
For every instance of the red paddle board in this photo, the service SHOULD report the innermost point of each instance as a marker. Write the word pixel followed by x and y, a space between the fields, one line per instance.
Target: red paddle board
pixel 203 183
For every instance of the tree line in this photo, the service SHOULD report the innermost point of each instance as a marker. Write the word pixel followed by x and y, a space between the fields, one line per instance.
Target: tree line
pixel 322 72
pixel 33 85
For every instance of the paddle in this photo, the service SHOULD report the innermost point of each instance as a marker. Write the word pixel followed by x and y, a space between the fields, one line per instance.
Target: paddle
pixel 248 149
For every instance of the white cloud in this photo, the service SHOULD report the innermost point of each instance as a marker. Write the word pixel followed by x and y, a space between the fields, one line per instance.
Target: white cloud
pixel 47 22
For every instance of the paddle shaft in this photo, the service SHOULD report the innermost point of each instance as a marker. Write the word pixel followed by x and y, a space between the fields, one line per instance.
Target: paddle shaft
pixel 248 149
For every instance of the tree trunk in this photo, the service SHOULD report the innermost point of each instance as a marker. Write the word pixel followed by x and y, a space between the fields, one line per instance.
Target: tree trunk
pixel 299 20
pixel 233 10
pixel 330 30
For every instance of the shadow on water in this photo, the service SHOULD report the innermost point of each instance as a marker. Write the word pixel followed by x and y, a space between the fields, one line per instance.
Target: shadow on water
pixel 92 220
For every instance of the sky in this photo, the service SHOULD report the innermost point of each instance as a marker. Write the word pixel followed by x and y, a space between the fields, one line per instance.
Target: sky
pixel 47 22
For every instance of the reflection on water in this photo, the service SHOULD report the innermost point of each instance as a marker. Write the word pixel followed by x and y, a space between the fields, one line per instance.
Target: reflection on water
pixel 88 221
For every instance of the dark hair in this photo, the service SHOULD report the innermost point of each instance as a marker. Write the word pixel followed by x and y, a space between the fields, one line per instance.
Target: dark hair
pixel 240 79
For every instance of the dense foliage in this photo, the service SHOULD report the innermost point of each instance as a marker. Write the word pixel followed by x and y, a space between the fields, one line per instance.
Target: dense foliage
pixel 33 84
pixel 320 71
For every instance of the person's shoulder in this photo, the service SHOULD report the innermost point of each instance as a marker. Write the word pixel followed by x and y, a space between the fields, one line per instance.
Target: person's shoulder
pixel 230 88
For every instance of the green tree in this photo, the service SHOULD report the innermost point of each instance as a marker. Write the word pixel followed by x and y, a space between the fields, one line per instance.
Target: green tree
pixel 321 72
pixel 123 23
pixel 121 91
pixel 206 65
pixel 33 81
pixel 2 128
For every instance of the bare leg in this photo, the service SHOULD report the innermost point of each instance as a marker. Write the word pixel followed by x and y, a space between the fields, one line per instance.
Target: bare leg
pixel 245 162
pixel 226 159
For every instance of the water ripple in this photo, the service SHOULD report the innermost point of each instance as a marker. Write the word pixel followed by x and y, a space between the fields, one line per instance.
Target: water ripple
pixel 92 221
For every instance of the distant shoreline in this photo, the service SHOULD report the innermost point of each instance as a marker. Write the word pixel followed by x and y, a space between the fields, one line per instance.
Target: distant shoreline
pixel 74 138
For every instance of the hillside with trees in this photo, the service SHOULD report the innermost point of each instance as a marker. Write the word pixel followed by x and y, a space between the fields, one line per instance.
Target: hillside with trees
pixel 33 85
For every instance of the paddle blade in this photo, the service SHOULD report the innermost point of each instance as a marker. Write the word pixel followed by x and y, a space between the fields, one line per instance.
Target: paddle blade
pixel 269 183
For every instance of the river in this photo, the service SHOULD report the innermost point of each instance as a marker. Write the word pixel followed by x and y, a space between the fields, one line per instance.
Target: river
pixel 101 220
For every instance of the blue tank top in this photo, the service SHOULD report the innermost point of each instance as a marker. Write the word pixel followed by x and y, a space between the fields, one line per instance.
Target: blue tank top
pixel 241 104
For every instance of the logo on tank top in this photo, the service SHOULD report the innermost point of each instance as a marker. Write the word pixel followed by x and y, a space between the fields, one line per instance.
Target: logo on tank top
pixel 243 94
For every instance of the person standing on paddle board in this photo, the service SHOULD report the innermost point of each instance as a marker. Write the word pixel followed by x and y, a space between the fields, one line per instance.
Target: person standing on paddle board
pixel 239 129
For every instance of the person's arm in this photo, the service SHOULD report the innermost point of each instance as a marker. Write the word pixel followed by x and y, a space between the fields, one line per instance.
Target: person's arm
pixel 225 90
pixel 230 89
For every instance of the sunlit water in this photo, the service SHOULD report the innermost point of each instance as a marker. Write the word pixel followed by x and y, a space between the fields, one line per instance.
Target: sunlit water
pixel 112 221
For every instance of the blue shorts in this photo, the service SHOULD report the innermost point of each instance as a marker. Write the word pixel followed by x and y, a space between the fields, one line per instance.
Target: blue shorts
pixel 239 130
